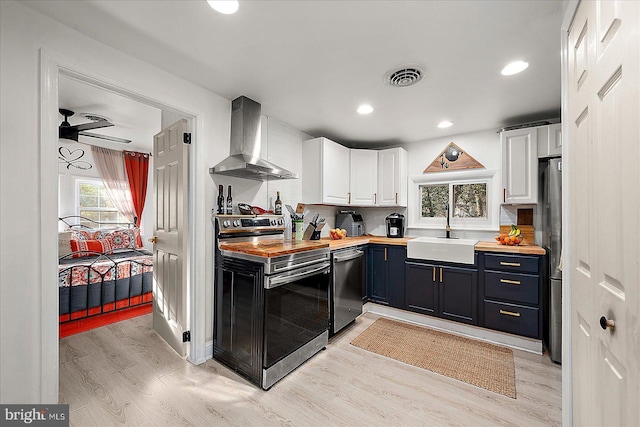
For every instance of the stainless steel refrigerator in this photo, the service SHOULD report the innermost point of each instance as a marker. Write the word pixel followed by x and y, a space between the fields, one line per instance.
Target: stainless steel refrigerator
pixel 550 203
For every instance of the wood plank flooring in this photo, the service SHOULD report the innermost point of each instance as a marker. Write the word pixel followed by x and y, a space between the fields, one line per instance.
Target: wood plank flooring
pixel 125 374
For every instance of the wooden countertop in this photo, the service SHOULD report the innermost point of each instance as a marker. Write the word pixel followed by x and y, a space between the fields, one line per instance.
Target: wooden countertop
pixel 521 249
pixel 363 240
pixel 276 248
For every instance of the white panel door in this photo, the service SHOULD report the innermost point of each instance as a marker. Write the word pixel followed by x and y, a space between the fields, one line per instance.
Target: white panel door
pixel 364 177
pixel 389 177
pixel 170 229
pixel 335 173
pixel 520 165
pixel 604 149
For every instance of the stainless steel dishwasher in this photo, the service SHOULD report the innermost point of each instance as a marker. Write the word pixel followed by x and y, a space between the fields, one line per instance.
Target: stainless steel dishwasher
pixel 346 289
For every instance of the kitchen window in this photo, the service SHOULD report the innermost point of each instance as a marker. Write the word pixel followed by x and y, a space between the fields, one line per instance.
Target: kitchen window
pixel 469 194
pixel 93 202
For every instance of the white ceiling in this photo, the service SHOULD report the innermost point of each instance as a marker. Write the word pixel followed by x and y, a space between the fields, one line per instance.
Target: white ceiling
pixel 132 120
pixel 311 63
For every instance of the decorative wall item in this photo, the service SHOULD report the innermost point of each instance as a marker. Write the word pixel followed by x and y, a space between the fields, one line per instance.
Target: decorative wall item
pixel 72 158
pixel 453 158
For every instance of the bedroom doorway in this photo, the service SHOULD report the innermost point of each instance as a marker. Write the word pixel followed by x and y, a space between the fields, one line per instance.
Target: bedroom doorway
pixel 118 286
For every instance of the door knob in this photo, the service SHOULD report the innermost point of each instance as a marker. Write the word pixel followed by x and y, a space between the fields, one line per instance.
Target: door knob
pixel 607 323
pixel 153 240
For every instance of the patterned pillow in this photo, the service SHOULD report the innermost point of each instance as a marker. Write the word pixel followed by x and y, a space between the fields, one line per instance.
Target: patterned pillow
pixel 86 234
pixel 87 245
pixel 124 238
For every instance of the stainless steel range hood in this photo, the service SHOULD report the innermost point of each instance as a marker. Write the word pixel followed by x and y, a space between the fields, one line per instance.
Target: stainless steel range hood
pixel 244 160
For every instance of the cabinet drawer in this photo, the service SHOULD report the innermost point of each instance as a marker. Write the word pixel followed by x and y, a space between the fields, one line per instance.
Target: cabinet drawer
pixel 512 318
pixel 520 263
pixel 510 286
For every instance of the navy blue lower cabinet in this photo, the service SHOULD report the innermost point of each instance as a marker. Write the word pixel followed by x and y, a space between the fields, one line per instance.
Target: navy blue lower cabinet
pixel 449 292
pixel 458 298
pixel 386 275
pixel 378 274
pixel 511 293
pixel 421 292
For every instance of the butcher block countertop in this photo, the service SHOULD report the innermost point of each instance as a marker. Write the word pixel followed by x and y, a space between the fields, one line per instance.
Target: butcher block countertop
pixel 363 240
pixel 276 248
pixel 521 249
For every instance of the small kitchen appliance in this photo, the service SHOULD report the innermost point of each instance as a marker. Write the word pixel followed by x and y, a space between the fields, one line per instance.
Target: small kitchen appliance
pixel 350 221
pixel 395 225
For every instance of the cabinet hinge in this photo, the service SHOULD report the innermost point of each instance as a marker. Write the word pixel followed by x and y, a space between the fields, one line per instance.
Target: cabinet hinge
pixel 186 137
pixel 186 336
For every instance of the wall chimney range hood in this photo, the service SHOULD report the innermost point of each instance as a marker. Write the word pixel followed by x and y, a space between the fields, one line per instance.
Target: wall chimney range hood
pixel 244 160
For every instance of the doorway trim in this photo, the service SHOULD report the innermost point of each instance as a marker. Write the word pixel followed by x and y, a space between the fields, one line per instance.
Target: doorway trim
pixel 53 65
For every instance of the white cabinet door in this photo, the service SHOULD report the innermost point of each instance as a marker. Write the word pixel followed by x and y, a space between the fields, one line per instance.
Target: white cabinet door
pixel 325 172
pixel 364 177
pixel 335 173
pixel 392 177
pixel 550 140
pixel 520 166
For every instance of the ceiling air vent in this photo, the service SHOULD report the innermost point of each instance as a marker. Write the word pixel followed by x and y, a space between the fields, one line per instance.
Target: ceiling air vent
pixel 404 76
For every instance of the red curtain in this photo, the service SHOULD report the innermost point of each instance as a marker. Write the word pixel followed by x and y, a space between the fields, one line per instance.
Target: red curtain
pixel 137 165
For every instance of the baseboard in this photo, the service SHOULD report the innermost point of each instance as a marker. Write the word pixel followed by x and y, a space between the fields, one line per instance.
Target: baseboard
pixel 494 337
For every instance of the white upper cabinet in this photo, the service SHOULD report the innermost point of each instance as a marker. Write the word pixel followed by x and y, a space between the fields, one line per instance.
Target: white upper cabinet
pixel 392 177
pixel 520 166
pixel 364 177
pixel 336 175
pixel 325 172
pixel 550 140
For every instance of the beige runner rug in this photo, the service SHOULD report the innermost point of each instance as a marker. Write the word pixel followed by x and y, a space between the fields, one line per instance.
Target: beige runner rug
pixel 475 362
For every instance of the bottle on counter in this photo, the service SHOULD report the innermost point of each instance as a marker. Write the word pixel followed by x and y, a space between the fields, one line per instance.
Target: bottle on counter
pixel 229 202
pixel 278 205
pixel 220 200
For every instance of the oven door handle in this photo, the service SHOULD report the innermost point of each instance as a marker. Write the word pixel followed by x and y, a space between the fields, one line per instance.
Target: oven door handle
pixel 279 280
pixel 348 257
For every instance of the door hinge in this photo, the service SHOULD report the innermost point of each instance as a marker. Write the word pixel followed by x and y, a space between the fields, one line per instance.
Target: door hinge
pixel 186 137
pixel 186 336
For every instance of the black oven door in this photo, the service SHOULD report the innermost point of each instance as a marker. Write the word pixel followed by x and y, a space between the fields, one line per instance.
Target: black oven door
pixel 296 310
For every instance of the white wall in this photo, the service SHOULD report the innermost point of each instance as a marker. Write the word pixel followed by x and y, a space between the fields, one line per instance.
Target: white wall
pixel 28 245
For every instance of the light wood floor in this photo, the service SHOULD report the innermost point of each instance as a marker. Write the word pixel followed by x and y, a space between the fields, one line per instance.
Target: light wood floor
pixel 125 374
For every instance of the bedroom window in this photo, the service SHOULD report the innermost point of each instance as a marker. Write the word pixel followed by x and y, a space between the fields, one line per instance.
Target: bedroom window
pixel 469 194
pixel 94 203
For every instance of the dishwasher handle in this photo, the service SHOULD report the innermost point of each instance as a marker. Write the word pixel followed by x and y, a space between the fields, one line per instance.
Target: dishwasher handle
pixel 348 257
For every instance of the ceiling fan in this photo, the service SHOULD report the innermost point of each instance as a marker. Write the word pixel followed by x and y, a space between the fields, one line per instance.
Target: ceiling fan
pixel 71 133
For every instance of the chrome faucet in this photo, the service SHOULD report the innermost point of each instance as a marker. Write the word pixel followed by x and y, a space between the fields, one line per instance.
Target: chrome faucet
pixel 448 229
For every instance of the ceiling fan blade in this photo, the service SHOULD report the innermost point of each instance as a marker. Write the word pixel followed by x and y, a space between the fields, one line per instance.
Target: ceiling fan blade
pixel 105 137
pixel 93 125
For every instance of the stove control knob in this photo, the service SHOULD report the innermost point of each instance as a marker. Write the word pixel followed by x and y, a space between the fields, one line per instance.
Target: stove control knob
pixel 280 221
pixel 225 223
pixel 273 222
pixel 236 223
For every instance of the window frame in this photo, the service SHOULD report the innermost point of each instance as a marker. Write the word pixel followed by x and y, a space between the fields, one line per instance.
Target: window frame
pixel 490 177
pixel 79 209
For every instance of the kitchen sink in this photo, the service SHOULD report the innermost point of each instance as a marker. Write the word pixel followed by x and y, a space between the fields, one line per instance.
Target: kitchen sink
pixel 460 251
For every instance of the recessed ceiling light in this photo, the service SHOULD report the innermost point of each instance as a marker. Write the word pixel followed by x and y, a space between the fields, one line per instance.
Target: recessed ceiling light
pixel 365 109
pixel 445 124
pixel 514 68
pixel 226 7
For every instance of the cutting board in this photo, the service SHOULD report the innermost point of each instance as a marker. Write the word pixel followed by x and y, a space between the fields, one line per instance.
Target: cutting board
pixel 525 230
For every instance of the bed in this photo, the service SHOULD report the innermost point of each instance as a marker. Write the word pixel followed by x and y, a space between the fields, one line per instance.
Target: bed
pixel 104 274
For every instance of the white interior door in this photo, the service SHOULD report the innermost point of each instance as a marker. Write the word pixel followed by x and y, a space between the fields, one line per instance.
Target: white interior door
pixel 170 229
pixel 604 120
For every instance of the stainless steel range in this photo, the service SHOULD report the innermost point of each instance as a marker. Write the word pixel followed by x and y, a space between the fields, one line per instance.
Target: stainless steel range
pixel 271 298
